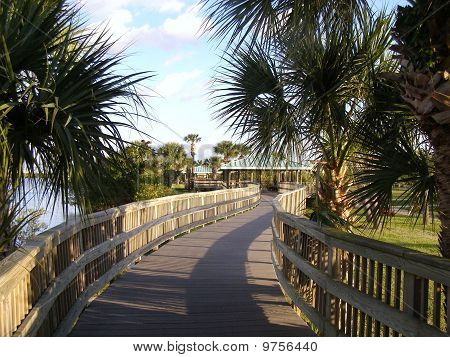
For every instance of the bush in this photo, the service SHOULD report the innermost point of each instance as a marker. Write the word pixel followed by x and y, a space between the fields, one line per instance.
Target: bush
pixel 149 192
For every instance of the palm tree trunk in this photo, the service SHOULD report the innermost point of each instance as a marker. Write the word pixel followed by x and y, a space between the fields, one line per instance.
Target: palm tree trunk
pixel 440 139
pixel 333 189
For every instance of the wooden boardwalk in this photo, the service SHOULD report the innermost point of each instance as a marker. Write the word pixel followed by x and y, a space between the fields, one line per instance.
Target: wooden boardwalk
pixel 216 281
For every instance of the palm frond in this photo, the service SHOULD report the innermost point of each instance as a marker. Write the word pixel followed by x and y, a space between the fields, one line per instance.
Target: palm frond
pixel 249 97
pixel 63 99
pixel 253 21
pixel 388 159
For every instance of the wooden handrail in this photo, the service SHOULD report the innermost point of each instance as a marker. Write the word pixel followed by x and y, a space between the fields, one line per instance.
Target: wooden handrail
pixel 355 286
pixel 45 285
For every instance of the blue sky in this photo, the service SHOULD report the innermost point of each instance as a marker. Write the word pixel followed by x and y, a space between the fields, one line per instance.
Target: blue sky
pixel 163 36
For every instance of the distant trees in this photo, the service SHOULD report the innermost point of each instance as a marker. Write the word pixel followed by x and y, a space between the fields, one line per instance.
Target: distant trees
pixel 172 159
pixel 229 150
pixel 59 85
pixel 214 162
pixel 243 150
pixel 192 139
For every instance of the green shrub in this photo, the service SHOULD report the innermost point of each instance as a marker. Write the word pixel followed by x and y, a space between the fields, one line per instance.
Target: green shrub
pixel 149 191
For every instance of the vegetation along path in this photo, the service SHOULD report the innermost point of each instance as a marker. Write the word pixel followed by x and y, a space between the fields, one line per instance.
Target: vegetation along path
pixel 216 281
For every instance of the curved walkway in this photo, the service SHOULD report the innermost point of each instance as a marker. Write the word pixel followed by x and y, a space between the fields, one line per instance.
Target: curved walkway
pixel 216 281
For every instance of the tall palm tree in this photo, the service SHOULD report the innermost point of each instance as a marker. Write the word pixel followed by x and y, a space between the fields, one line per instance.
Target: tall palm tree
pixel 305 91
pixel 62 100
pixel 192 139
pixel 411 112
pixel 227 149
pixel 422 31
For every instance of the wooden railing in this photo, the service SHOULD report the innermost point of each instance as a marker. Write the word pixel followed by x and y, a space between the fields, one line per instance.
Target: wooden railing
pixel 284 187
pixel 208 185
pixel 45 285
pixel 347 285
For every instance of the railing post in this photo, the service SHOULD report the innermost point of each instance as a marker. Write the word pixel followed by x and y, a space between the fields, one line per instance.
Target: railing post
pixel 408 293
pixel 332 270
pixel 215 207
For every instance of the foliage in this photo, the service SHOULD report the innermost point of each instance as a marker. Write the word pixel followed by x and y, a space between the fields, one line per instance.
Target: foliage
pixel 214 162
pixel 227 149
pixel 13 221
pixel 421 31
pixel 192 139
pixel 305 89
pixel 172 159
pixel 61 97
pixel 33 226
pixel 150 191
pixel 243 150
pixel 406 160
pixel 250 21
pixel 135 164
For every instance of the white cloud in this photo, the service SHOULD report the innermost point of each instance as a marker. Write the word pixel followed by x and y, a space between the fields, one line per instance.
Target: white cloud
pixel 172 33
pixel 185 26
pixel 103 7
pixel 178 83
pixel 178 57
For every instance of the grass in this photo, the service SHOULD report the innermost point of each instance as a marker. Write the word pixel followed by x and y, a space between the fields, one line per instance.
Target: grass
pixel 396 200
pixel 179 189
pixel 401 231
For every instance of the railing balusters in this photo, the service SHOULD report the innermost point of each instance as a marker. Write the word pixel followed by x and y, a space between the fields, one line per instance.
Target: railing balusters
pixel 98 248
pixel 379 289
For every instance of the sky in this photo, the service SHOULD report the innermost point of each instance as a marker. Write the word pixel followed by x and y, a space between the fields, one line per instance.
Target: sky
pixel 165 38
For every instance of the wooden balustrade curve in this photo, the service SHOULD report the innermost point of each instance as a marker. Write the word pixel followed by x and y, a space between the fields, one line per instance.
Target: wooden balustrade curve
pixel 348 285
pixel 45 285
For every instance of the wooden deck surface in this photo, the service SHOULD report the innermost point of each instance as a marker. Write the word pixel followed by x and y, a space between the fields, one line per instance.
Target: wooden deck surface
pixel 216 281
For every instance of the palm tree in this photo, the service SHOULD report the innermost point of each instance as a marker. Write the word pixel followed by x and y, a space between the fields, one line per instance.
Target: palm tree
pixel 243 150
pixel 251 21
pixel 227 149
pixel 215 162
pixel 305 89
pixel 192 139
pixel 409 110
pixel 172 159
pixel 421 32
pixel 60 93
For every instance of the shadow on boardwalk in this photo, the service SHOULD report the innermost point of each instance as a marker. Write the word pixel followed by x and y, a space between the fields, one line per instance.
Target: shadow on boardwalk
pixel 216 281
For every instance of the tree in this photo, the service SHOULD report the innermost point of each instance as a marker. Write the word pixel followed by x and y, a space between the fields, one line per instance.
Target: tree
pixel 214 162
pixel 243 150
pixel 408 138
pixel 62 101
pixel 421 31
pixel 304 88
pixel 192 139
pixel 172 159
pixel 227 149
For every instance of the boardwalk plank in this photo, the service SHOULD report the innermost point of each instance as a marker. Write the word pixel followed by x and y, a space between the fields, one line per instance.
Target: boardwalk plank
pixel 216 281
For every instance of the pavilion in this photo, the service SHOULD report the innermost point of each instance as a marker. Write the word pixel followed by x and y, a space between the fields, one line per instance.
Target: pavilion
pixel 253 168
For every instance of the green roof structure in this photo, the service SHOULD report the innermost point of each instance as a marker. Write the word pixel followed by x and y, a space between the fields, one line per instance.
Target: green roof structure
pixel 258 163
pixel 198 170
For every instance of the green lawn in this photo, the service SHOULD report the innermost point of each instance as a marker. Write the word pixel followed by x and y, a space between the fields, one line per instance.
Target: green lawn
pixel 401 231
pixel 179 189
pixel 396 193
